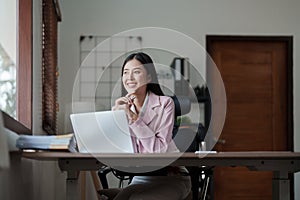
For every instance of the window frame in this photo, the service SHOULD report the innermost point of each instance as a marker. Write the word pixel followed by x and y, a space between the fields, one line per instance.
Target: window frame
pixel 23 123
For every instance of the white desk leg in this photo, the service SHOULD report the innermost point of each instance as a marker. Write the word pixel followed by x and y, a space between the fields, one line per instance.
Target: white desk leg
pixel 73 186
pixel 281 186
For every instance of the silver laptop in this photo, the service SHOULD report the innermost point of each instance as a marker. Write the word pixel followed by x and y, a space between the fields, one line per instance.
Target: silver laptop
pixel 102 132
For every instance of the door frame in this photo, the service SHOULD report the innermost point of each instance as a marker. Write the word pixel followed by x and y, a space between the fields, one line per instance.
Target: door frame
pixel 210 39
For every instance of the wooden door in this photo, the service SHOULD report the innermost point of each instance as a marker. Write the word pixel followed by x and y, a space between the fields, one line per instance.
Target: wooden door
pixel 257 77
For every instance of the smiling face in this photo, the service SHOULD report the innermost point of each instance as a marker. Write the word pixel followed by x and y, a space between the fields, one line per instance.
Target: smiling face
pixel 135 77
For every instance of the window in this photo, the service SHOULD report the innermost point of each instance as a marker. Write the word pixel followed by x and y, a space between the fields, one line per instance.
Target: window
pixel 7 82
pixel 23 124
pixel 23 70
pixel 51 15
pixel 8 38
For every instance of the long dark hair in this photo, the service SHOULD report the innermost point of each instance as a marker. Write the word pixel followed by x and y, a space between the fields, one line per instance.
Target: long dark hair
pixel 147 62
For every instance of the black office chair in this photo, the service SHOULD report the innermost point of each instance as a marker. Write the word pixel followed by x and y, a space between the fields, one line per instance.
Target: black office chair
pixel 188 140
pixel 185 138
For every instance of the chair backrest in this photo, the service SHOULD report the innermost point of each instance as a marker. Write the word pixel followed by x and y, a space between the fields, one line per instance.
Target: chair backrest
pixel 185 137
pixel 182 105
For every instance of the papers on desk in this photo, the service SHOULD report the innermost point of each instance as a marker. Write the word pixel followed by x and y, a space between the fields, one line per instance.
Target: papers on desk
pixel 47 142
pixel 204 152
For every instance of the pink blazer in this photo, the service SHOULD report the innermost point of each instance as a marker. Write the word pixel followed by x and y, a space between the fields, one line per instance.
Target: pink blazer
pixel 152 132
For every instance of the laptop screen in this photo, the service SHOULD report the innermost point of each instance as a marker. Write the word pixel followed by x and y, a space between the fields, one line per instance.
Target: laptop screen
pixel 102 132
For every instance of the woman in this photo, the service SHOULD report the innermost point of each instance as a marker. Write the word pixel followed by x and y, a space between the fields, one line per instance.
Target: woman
pixel 151 119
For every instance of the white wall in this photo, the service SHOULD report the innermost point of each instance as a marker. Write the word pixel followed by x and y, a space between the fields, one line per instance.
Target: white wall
pixel 194 18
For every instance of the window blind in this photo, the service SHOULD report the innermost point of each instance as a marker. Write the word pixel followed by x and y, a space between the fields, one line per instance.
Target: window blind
pixel 50 18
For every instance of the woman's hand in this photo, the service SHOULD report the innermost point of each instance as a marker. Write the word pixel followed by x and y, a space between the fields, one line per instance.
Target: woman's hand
pixel 124 103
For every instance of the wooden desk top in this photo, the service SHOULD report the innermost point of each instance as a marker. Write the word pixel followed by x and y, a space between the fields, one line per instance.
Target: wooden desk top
pixel 256 160
pixel 46 155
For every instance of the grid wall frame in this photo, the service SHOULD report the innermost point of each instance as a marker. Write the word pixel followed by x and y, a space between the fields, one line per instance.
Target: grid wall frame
pixel 101 59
